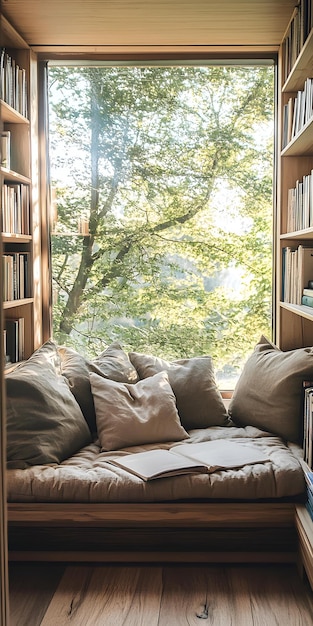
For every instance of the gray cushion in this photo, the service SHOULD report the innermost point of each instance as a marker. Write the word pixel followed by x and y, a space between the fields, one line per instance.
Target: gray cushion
pixel 198 399
pixel 44 421
pixel 269 392
pixel 135 414
pixel 112 363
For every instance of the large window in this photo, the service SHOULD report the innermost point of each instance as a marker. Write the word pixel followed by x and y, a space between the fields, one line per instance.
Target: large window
pixel 162 211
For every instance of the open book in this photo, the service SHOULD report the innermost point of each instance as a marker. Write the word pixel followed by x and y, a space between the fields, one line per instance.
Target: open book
pixel 204 457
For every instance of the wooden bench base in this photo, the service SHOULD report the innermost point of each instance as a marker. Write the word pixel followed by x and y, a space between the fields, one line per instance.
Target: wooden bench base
pixel 194 532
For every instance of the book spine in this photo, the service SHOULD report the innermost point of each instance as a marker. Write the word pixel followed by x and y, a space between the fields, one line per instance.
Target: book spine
pixel 6 149
pixel 307 300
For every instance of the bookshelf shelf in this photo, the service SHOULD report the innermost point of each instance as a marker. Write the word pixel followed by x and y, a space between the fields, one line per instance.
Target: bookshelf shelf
pixel 305 234
pixel 8 114
pixel 14 303
pixel 10 37
pixel 68 234
pixel 302 144
pixel 15 238
pixel 14 177
pixel 299 309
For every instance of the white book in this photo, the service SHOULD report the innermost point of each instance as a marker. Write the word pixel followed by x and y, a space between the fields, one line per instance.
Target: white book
pixel 157 464
pixel 205 457
pixel 5 149
pixel 305 270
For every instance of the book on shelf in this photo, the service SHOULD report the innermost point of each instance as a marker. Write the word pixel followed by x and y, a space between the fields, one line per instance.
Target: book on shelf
pixel 309 503
pixel 16 276
pixel 13 83
pixel 15 207
pixel 297 33
pixel 309 491
pixel 297 270
pixel 205 457
pixel 297 112
pixel 307 300
pixel 6 149
pixel 4 335
pixel 15 335
pixel 300 204
pixel 308 475
pixel 307 291
pixel 308 423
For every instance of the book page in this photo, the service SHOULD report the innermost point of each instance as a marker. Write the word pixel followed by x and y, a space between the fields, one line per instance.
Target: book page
pixel 221 453
pixel 157 464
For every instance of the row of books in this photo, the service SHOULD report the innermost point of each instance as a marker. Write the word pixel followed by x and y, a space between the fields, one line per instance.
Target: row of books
pixel 298 31
pixel 309 492
pixel 13 84
pixel 300 204
pixel 297 271
pixel 308 442
pixel 297 112
pixel 308 423
pixel 15 207
pixel 16 276
pixel 14 339
pixel 5 149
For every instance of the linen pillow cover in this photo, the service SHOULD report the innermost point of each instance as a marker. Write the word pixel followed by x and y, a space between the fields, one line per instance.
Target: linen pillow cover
pixel 199 402
pixel 135 414
pixel 112 363
pixel 269 392
pixel 44 421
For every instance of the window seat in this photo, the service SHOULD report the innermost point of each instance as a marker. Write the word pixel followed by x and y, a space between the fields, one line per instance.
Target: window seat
pixel 84 508
pixel 68 416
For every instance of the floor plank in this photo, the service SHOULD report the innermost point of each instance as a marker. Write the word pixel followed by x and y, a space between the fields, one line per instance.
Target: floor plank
pixel 94 596
pixel 192 594
pixel 168 595
pixel 31 589
pixel 270 596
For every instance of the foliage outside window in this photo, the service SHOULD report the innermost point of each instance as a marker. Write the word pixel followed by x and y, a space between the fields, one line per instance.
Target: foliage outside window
pixel 162 225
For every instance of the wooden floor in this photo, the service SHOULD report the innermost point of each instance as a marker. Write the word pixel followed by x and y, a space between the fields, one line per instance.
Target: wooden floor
pixel 172 595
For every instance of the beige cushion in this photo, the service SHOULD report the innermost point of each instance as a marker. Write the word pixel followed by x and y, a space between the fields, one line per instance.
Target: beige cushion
pixel 44 421
pixel 130 415
pixel 199 402
pixel 269 393
pixel 112 363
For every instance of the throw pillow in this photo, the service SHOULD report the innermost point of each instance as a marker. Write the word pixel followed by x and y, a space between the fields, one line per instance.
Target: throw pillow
pixel 44 421
pixel 135 414
pixel 199 402
pixel 112 363
pixel 269 392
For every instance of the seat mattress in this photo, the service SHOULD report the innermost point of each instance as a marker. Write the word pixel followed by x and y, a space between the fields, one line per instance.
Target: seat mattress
pixel 88 477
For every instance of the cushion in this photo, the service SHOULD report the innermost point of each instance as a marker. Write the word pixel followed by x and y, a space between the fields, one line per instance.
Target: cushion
pixel 135 414
pixel 44 421
pixel 113 363
pixel 269 392
pixel 199 402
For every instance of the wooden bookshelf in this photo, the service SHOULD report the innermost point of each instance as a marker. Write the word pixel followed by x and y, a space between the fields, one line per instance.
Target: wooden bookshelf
pixel 20 213
pixel 294 321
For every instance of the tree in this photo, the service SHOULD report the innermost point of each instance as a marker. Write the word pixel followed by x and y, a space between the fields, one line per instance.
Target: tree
pixel 167 165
